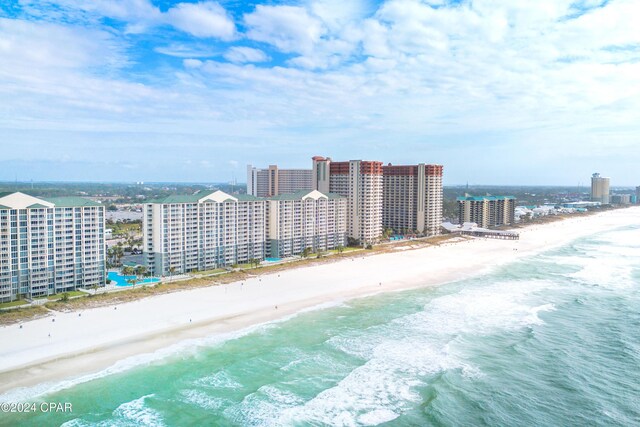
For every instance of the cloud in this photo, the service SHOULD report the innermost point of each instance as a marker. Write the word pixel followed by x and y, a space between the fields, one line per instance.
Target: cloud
pixel 206 19
pixel 361 75
pixel 180 50
pixel 241 54
pixel 28 46
pixel 289 28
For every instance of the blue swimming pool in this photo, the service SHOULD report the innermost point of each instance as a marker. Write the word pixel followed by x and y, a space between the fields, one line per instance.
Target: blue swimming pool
pixel 273 259
pixel 121 280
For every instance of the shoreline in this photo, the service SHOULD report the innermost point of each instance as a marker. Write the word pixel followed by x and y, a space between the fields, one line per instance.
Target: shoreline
pixel 99 338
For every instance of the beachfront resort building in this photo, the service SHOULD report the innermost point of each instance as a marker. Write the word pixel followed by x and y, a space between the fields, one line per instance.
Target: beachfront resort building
pixel 50 245
pixel 308 220
pixel 361 183
pixel 412 198
pixel 487 211
pixel 600 189
pixel 204 231
pixel 274 181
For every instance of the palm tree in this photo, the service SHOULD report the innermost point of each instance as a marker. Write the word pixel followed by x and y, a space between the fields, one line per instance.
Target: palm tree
pixel 127 270
pixel 171 271
pixel 141 271
pixel 340 249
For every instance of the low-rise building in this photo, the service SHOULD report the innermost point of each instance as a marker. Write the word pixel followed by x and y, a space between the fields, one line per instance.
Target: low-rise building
pixel 487 211
pixel 621 199
pixel 50 245
pixel 306 219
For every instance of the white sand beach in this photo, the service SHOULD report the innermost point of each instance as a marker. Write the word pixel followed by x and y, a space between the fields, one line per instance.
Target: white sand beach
pixel 77 343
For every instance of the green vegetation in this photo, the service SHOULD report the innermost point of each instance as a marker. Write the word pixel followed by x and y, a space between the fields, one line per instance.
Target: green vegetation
pixel 69 295
pixel 116 193
pixel 208 272
pixel 125 228
pixel 13 304
pixel 31 312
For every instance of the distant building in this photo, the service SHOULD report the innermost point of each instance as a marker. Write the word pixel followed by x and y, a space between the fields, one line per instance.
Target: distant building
pixel 306 219
pixel 487 211
pixel 600 189
pixel 361 183
pixel 50 245
pixel 203 231
pixel 274 181
pixel 621 199
pixel 638 194
pixel 412 198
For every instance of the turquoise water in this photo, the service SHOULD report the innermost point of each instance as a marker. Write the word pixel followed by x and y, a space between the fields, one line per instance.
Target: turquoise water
pixel 121 280
pixel 550 341
pixel 273 259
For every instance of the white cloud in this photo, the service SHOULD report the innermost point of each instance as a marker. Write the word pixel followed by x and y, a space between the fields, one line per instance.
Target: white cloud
pixel 242 54
pixel 289 28
pixel 181 50
pixel 206 19
pixel 405 72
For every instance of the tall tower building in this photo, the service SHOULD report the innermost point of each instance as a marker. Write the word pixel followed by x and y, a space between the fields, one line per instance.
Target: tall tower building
pixel 361 183
pixel 600 189
pixel 412 198
pixel 51 245
pixel 638 194
pixel 274 181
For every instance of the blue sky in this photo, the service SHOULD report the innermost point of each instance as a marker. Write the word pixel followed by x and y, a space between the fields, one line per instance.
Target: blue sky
pixel 499 91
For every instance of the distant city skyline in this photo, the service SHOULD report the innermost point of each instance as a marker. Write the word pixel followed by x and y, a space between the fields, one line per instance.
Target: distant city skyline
pixel 499 92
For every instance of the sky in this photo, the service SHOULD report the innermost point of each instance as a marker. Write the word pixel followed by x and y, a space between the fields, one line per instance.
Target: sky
pixel 498 91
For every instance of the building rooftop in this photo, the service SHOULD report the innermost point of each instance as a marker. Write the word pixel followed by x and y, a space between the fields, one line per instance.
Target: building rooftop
pixel 216 196
pixel 482 198
pixel 303 194
pixel 69 202
pixel 18 200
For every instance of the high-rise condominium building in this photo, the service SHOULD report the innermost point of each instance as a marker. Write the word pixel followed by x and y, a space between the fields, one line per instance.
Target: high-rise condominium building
pixel 50 245
pixel 361 183
pixel 600 189
pixel 487 211
pixel 638 194
pixel 274 181
pixel 202 232
pixel 412 198
pixel 306 219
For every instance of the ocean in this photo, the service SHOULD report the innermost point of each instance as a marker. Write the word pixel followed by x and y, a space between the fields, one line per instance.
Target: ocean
pixel 553 340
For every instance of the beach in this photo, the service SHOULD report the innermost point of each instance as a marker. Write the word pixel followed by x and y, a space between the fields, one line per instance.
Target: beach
pixel 69 345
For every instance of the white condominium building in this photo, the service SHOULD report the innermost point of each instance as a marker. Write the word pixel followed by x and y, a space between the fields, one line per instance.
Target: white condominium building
pixel 274 181
pixel 412 198
pixel 361 183
pixel 50 245
pixel 306 219
pixel 202 232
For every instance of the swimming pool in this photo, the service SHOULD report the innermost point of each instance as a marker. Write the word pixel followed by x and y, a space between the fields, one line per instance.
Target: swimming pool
pixel 273 259
pixel 121 280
